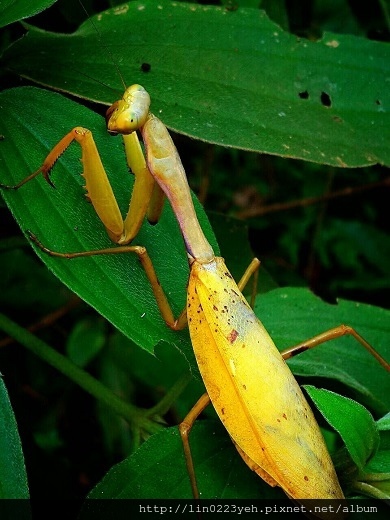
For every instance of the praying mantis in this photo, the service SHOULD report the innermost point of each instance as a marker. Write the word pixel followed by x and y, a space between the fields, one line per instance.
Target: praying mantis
pixel 253 391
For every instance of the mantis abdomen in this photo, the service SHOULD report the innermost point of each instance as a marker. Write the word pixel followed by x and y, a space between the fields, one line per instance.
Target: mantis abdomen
pixel 252 389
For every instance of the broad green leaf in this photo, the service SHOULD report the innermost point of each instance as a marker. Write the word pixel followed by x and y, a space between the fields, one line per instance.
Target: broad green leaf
pixel 353 422
pixel 13 478
pixel 293 315
pixel 229 77
pixel 158 470
pixel 13 11
pixel 115 285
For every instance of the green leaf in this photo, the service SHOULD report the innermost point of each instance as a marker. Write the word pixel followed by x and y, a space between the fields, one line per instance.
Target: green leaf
pixel 229 77
pixel 158 470
pixel 380 463
pixel 11 11
pixel 115 285
pixel 353 422
pixel 13 478
pixel 384 423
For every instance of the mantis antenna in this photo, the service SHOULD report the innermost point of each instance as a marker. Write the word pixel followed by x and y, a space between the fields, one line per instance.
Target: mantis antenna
pixel 105 46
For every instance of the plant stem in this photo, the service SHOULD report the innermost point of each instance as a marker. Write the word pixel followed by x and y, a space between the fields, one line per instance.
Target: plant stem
pixel 368 490
pixel 165 403
pixel 137 417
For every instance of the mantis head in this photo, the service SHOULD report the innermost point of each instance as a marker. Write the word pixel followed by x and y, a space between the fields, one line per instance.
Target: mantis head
pixel 129 113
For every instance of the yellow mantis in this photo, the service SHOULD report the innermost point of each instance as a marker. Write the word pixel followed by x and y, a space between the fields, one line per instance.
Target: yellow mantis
pixel 247 380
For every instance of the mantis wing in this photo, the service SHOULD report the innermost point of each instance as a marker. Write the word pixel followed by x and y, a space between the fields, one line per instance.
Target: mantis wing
pixel 252 389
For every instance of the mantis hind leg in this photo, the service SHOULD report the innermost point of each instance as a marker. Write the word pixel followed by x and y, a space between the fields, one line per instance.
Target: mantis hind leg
pixel 185 428
pixel 336 332
pixel 319 339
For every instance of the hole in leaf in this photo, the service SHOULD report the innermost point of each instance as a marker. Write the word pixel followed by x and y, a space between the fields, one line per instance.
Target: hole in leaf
pixel 325 99
pixel 304 94
pixel 145 67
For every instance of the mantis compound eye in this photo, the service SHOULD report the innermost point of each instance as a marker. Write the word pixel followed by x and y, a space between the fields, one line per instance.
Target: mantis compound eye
pixel 129 113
